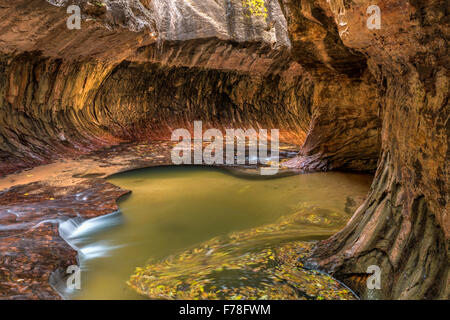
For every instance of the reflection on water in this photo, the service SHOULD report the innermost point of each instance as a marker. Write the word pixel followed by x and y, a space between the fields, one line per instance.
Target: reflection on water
pixel 174 208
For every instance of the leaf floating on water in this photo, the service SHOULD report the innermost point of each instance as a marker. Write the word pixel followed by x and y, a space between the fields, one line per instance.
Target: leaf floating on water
pixel 260 263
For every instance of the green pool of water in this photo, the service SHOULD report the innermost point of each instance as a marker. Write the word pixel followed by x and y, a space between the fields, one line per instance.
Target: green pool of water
pixel 174 208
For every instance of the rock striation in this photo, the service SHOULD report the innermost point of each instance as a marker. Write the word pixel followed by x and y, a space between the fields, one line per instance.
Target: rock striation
pixel 353 98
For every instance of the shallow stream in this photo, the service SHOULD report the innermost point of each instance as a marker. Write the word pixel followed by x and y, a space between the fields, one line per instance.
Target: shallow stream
pixel 172 209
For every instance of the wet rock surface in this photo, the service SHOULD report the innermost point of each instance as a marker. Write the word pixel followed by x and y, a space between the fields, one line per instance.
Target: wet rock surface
pixel 30 243
pixel 31 246
pixel 404 221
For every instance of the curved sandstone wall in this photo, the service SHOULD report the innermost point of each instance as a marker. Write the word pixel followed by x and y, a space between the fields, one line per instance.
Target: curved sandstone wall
pixel 346 94
pixel 71 91
pixel 403 227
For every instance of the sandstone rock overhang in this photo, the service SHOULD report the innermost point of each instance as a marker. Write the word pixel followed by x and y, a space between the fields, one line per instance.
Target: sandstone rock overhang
pixel 354 98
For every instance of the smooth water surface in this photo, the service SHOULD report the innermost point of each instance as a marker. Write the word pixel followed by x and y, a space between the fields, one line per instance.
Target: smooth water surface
pixel 173 208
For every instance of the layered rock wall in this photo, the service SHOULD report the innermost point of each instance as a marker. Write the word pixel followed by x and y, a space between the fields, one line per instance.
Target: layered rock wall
pixel 137 69
pixel 403 227
pixel 117 79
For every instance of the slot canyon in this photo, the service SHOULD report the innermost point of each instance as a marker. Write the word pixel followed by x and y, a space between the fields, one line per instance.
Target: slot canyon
pixel 79 105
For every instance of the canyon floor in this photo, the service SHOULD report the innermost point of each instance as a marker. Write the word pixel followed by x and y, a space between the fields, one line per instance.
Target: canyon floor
pixel 34 202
